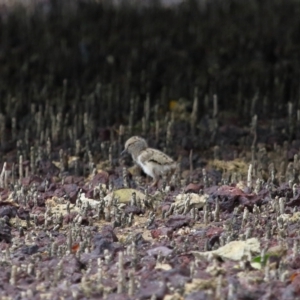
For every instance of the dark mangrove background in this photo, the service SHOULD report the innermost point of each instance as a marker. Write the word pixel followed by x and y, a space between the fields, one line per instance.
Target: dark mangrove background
pixel 77 70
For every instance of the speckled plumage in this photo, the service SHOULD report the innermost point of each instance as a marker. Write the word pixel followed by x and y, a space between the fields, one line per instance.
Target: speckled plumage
pixel 154 163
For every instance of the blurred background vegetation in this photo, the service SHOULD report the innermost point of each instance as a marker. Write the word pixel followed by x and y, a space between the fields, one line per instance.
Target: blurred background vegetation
pixel 95 57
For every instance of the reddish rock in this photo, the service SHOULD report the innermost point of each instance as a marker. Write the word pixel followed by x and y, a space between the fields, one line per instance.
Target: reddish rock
pixel 211 231
pixel 178 221
pixel 162 231
pixel 193 188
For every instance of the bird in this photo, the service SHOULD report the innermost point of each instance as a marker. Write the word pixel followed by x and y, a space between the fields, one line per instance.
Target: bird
pixel 154 162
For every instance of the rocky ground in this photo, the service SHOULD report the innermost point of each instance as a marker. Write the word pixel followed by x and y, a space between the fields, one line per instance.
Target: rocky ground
pixel 78 221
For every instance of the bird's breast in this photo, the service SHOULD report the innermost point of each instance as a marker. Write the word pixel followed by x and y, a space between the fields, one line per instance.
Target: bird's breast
pixel 146 166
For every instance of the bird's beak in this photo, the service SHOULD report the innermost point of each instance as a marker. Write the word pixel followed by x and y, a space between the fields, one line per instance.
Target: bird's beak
pixel 124 152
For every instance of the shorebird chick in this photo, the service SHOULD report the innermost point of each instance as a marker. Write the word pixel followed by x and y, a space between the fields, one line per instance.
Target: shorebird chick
pixel 153 162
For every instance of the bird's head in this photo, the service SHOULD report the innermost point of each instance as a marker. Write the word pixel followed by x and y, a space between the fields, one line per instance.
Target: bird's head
pixel 134 146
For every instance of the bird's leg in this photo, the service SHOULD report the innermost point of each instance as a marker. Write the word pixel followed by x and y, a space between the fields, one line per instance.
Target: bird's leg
pixel 169 176
pixel 155 182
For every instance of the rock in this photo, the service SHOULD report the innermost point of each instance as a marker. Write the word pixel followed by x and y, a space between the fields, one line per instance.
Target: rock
pixel 185 174
pixel 5 231
pixel 165 267
pixel 57 207
pixel 175 296
pixel 150 288
pixel 93 203
pixel 125 195
pixel 106 239
pixel 178 221
pixel 193 188
pixel 234 250
pixel 199 295
pixel 8 210
pixel 215 270
pixel 295 217
pixel 30 249
pixel 284 217
pixel 71 190
pixel 162 250
pixel 47 167
pixel 100 178
pixel 241 185
pixel 277 250
pixel 199 284
pixel 197 201
pixel 253 277
pixel 161 232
